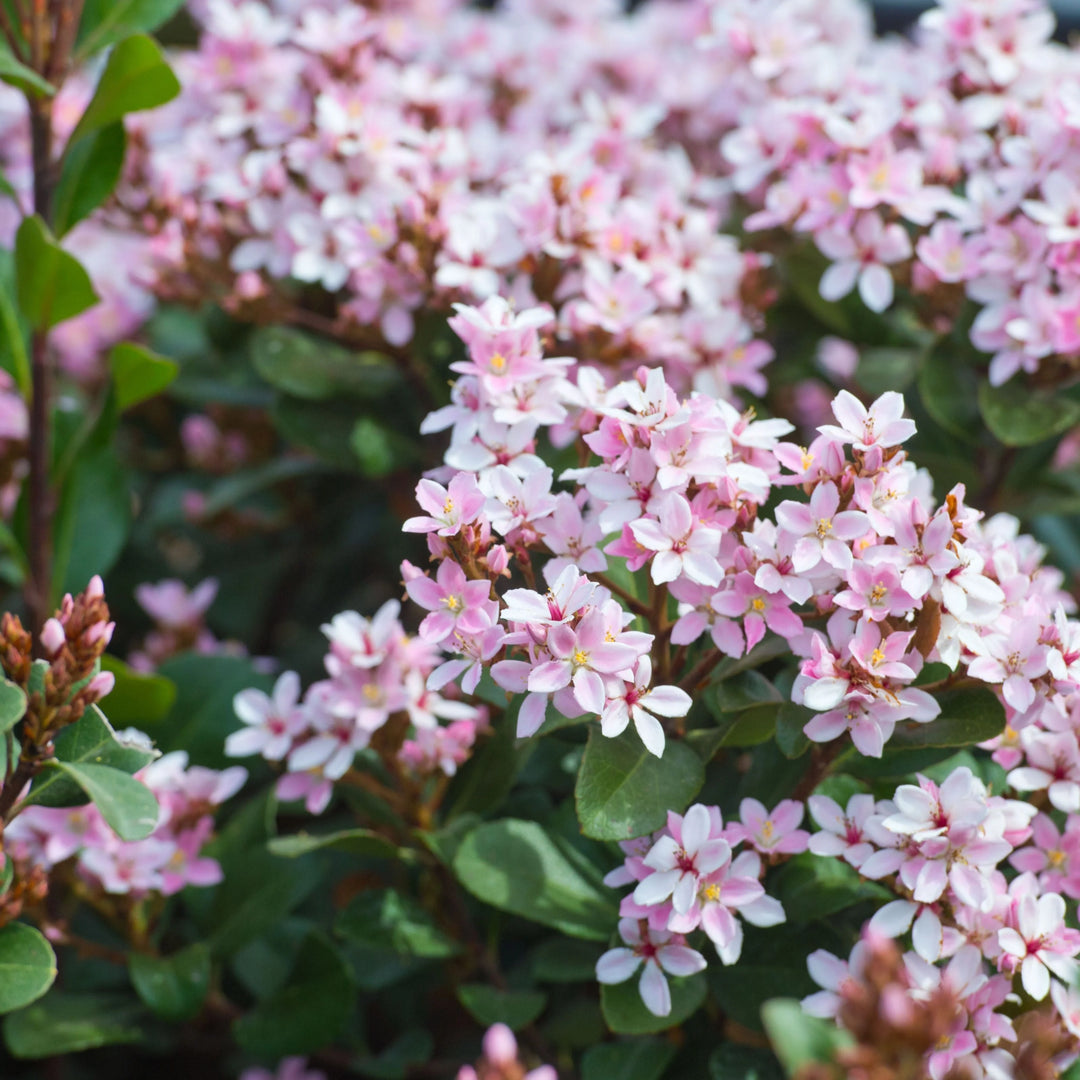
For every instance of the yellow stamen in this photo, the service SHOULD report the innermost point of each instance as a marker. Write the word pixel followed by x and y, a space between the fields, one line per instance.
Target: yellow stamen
pixel 581 657
pixel 757 604
pixel 712 893
pixel 824 527
pixel 877 593
pixel 767 830
pixel 877 657
pixel 452 602
pixel 497 363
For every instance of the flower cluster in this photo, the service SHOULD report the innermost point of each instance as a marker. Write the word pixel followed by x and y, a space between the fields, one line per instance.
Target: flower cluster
pixel 941 848
pixel 179 618
pixel 165 862
pixel 378 683
pixel 500 1060
pixel 687 877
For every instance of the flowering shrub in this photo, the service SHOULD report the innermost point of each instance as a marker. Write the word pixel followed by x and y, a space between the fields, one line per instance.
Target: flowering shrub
pixel 587 500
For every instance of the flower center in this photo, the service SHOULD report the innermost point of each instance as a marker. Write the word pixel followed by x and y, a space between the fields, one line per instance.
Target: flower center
pixel 757 604
pixel 877 593
pixel 712 893
pixel 877 657
pixel 581 657
pixel 452 602
pixel 824 527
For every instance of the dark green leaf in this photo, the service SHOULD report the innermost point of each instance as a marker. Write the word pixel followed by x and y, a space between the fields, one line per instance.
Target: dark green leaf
pixel 641 1059
pixel 235 488
pixel 137 699
pixel 798 1038
pixel 175 986
pixel 812 887
pixel 626 1014
pixel 1020 416
pixel 136 77
pixel 514 1008
pixel 968 716
pixel 128 807
pixel 51 284
pixel 308 1012
pixel 732 1061
pixel 886 368
pixel 623 791
pixel 385 919
pixel 139 374
pixel 105 22
pixel 90 171
pixel 565 960
pixel 27 965
pixel 374 448
pixel 949 392
pixel 354 841
pixel 324 429
pixel 67 1023
pixel 790 721
pixel 412 1047
pixel 519 867
pixel 317 370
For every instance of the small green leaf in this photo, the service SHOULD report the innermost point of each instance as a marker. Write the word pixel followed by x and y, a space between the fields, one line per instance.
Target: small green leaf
pixel 128 807
pixel 354 841
pixel 308 1012
pixel 67 1023
pixel 798 1038
pixel 27 966
pixel 105 22
pixel 51 284
pixel 139 374
pixel 968 716
pixel 136 77
pixel 514 1008
pixel 623 791
pixel 519 867
pixel 1020 416
pixel 16 73
pixel 12 704
pixel 626 1014
pixel 640 1059
pixel 385 919
pixel 175 986
pixel 88 175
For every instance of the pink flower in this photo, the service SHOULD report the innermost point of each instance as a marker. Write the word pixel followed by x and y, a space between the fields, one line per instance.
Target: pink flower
pixel 823 533
pixel 660 951
pixel 862 257
pixel 683 546
pixel 768 832
pixel 455 603
pixel 634 700
pixel 449 508
pixel 883 424
pixel 1041 944
pixel 171 604
pixel 272 721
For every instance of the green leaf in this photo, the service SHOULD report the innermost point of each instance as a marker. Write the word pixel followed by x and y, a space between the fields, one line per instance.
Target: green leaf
pixel 12 704
pixel 374 448
pixel 308 1012
pixel 136 78
pixel 1020 416
pixel 485 780
pixel 625 1013
pixel 51 284
pixel 128 807
pixel 797 1038
pixel 623 791
pixel 412 1047
pixel 175 986
pixel 518 867
pixel 565 960
pixel 514 1008
pixel 105 22
pixel 67 1023
pixel 14 328
pixel 324 429
pixel 886 367
pixel 88 175
pixel 968 716
pixel 732 1061
pixel 137 699
pixel 90 740
pixel 384 919
pixel 307 367
pixel 27 966
pixel 139 374
pixel 354 841
pixel 93 519
pixel 790 721
pixel 812 887
pixel 235 488
pixel 642 1059
pixel 949 392
pixel 16 73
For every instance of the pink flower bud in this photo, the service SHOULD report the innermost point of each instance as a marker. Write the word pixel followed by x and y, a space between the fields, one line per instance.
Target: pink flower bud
pixel 96 588
pixel 410 572
pixel 100 685
pixel 500 1046
pixel 53 637
pixel 498 559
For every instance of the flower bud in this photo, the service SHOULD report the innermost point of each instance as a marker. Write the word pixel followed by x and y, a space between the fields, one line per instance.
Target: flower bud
pixel 500 1046
pixel 53 637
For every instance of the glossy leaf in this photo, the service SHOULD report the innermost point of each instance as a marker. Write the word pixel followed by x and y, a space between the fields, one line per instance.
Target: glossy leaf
pixel 128 807
pixel 354 841
pixel 88 174
pixel 105 22
pixel 514 1008
pixel 17 74
pixel 1019 416
pixel 136 77
pixel 175 986
pixel 51 284
pixel 137 699
pixel 65 1023
pixel 385 919
pixel 139 374
pixel 968 716
pixel 12 704
pixel 811 887
pixel 27 966
pixel 518 867
pixel 565 960
pixel 624 791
